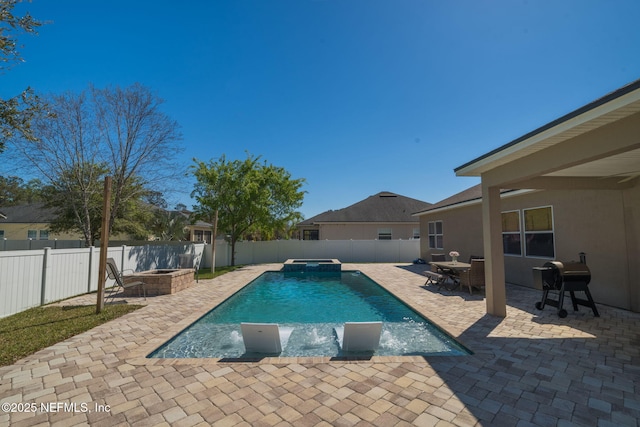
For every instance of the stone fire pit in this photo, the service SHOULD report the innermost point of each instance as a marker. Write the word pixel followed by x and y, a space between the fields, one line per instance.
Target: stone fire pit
pixel 161 281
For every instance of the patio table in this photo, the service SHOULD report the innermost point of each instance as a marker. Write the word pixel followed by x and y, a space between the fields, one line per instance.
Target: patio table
pixel 452 269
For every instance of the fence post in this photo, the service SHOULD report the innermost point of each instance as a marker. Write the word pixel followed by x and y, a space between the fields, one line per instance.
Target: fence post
pixel 124 249
pixel 91 248
pixel 45 266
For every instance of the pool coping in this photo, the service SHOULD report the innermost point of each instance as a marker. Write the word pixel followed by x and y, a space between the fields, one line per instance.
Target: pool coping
pixel 139 357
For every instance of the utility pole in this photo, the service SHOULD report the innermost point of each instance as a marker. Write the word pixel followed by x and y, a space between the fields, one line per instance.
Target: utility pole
pixel 104 244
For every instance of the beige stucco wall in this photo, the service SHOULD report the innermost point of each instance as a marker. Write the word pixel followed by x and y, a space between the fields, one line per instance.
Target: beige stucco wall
pixel 604 224
pixel 18 231
pixel 363 231
pixel 462 232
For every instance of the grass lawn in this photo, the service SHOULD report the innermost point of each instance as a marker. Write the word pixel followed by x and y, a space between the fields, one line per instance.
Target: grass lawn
pixel 29 331
pixel 205 273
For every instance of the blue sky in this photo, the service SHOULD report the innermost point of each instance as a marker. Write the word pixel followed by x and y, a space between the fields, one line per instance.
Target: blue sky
pixel 355 96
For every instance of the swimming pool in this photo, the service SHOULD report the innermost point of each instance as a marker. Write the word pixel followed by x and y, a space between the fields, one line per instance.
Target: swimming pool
pixel 313 304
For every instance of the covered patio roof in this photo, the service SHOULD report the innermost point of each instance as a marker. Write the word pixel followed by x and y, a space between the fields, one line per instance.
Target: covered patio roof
pixel 614 161
pixel 594 147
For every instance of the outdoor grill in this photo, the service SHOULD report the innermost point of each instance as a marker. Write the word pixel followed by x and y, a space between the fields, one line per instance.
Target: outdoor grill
pixel 564 277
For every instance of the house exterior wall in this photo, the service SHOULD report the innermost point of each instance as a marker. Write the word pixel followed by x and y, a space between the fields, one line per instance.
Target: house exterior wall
pixel 605 224
pixel 364 231
pixel 462 232
pixel 19 231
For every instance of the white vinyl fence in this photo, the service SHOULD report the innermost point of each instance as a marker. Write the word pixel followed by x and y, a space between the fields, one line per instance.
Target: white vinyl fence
pixel 35 277
pixel 29 278
pixel 344 250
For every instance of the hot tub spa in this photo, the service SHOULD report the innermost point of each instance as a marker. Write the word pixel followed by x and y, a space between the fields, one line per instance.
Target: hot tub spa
pixel 317 265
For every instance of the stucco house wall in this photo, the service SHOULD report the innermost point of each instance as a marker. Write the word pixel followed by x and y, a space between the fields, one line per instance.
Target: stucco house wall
pixel 597 222
pixel 367 231
pixel 20 231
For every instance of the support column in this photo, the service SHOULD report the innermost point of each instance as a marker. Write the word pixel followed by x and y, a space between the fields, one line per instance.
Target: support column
pixel 493 251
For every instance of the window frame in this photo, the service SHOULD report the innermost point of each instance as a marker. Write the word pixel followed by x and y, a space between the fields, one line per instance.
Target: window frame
pixel 385 233
pixel 432 238
pixel 551 232
pixel 513 233
pixel 416 233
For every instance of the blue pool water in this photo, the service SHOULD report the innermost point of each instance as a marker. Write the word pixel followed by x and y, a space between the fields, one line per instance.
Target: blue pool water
pixel 313 304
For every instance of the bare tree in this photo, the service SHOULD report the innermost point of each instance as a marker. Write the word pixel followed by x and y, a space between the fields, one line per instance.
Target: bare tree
pixel 114 131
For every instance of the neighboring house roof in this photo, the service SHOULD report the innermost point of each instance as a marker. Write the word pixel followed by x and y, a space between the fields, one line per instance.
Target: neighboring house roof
pixel 381 207
pixel 465 197
pixel 31 213
pixel 187 214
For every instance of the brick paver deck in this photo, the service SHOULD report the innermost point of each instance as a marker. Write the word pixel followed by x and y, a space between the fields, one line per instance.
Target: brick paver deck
pixel 530 368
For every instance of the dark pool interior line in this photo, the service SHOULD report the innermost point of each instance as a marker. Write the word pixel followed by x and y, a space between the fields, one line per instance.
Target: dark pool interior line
pixel 313 304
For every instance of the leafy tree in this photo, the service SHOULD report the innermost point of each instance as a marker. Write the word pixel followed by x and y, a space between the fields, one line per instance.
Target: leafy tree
pixel 169 225
pixel 16 113
pixel 249 196
pixel 14 191
pixel 119 132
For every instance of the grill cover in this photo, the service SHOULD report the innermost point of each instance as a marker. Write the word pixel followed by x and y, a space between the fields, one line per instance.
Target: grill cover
pixel 554 273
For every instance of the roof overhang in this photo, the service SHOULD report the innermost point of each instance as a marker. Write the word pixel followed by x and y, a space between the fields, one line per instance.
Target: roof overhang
pixel 471 202
pixel 614 107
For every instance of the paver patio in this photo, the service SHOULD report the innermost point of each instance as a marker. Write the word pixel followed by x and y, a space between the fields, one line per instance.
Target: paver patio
pixel 530 368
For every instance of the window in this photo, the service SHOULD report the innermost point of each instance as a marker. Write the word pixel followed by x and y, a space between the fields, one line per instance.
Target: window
pixel 202 236
pixel 538 232
pixel 416 233
pixel 44 234
pixel 1 234
pixel 435 235
pixel 384 234
pixel 511 237
pixel 32 234
pixel 311 235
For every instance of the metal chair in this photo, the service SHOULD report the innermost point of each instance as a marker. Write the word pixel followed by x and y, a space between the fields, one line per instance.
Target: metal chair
pixel 190 261
pixel 122 282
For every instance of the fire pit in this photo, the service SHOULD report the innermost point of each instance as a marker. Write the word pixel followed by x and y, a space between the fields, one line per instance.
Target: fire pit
pixel 162 281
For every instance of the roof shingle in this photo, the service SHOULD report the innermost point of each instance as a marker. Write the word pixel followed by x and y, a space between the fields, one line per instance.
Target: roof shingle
pixel 381 207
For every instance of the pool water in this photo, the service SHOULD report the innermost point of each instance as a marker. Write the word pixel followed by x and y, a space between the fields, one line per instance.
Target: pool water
pixel 313 304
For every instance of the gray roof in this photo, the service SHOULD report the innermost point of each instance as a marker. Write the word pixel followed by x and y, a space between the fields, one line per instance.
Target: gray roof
pixel 381 207
pixel 31 213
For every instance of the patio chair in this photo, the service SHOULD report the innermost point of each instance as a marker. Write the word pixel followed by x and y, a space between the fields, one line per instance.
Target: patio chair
pixel 122 282
pixel 190 261
pixel 472 257
pixel 267 338
pixel 438 257
pixel 359 336
pixel 474 276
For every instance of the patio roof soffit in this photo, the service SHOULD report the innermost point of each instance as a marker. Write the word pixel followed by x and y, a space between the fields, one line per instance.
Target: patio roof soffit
pixel 608 151
pixel 577 183
pixel 611 108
